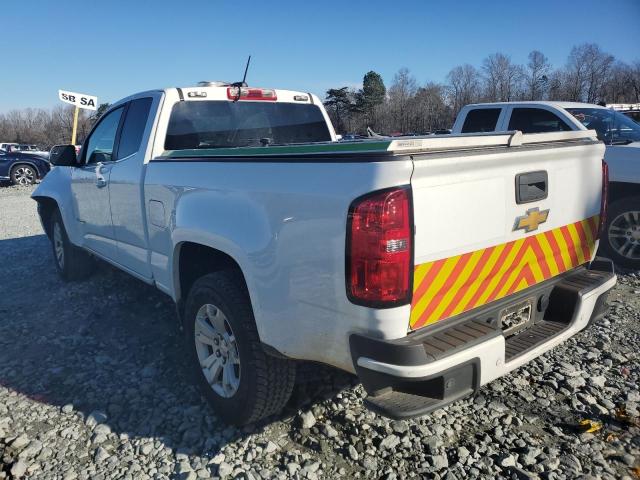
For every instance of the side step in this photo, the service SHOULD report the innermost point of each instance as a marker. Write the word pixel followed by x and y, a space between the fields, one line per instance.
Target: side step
pixel 399 405
pixel 408 398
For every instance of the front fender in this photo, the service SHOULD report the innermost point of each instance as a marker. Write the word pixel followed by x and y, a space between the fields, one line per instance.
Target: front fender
pixel 57 187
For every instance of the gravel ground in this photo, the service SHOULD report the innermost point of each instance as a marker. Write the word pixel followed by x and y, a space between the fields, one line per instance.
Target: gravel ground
pixel 93 384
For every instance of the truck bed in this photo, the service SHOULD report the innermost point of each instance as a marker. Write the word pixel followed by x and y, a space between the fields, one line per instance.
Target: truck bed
pixel 291 204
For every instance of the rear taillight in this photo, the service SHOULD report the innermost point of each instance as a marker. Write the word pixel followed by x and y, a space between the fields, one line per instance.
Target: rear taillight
pixel 379 249
pixel 604 200
pixel 246 93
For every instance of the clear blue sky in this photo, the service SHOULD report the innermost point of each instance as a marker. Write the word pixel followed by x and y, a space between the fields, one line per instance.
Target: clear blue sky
pixel 114 48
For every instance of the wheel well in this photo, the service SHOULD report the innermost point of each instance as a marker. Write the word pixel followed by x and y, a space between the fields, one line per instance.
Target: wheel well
pixel 618 190
pixel 196 260
pixel 28 164
pixel 46 207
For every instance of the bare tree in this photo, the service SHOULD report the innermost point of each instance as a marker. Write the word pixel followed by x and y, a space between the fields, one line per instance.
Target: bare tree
pixel 431 113
pixel 401 92
pixel 537 77
pixel 464 86
pixel 634 82
pixel 503 78
pixel 557 87
pixel 42 127
pixel 617 87
pixel 587 69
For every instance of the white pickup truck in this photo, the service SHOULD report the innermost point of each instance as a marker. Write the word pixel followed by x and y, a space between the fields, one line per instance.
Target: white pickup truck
pixel 620 134
pixel 426 266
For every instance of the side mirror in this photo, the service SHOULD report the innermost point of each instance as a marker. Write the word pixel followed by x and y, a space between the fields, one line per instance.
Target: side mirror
pixel 63 156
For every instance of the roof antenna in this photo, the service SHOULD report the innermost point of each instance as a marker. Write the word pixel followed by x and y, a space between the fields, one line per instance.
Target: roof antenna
pixel 243 83
pixel 246 69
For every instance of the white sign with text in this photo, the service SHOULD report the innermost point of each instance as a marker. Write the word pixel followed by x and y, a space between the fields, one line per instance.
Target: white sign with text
pixel 80 100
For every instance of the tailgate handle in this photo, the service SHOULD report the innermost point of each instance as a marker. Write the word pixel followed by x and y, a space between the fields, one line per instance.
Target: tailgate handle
pixel 531 186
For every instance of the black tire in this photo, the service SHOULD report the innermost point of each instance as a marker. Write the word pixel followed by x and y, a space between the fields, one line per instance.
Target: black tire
pixel 621 237
pixel 23 174
pixel 72 262
pixel 265 382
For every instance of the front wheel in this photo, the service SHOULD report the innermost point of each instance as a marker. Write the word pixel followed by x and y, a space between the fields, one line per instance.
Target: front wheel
pixel 23 175
pixel 621 238
pixel 242 382
pixel 72 263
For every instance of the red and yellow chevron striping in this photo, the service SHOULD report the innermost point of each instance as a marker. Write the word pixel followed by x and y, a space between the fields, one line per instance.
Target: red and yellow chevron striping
pixel 447 287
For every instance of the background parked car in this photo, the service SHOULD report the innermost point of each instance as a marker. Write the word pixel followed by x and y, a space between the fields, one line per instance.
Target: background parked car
pixel 8 147
pixel 27 147
pixel 22 168
pixel 33 149
pixel 631 110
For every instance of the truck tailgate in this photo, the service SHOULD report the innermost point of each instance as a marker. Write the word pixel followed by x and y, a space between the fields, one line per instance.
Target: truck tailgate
pixel 476 242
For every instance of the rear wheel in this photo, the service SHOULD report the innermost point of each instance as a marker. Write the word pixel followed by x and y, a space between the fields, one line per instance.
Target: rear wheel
pixel 72 262
pixel 242 382
pixel 23 175
pixel 621 238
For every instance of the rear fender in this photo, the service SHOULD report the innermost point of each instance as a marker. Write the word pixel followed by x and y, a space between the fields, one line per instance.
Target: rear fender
pixel 210 218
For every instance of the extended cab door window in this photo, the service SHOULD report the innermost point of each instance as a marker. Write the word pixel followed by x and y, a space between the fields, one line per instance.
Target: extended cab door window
pixel 536 120
pixel 481 120
pixel 133 127
pixel 101 142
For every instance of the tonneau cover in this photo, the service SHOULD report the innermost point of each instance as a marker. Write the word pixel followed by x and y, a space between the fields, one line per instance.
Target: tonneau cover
pixel 400 145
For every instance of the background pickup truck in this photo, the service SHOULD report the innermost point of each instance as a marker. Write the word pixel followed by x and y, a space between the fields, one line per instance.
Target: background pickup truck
pixel 620 134
pixel 427 266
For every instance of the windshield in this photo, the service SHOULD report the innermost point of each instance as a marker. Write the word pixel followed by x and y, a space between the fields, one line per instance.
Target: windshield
pixel 224 124
pixel 612 127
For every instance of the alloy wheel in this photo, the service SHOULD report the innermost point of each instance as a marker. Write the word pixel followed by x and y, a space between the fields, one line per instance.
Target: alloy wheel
pixel 624 234
pixel 24 176
pixel 58 245
pixel 217 350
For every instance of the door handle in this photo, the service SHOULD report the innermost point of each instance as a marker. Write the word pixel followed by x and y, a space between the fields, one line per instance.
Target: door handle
pixel 100 171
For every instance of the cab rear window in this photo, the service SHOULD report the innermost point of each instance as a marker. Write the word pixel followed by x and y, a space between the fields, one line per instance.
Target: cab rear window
pixel 227 124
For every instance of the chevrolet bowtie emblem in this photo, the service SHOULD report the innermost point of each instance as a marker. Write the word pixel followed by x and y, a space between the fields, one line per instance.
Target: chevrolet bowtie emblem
pixel 531 220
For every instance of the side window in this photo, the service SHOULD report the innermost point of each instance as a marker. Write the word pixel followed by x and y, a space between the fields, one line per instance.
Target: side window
pixel 481 120
pixel 536 120
pixel 102 140
pixel 133 126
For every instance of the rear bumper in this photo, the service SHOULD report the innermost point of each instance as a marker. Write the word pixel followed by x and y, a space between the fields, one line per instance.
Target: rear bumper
pixel 439 364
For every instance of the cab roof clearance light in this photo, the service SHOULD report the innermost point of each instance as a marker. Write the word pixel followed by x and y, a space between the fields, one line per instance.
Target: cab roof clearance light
pixel 246 93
